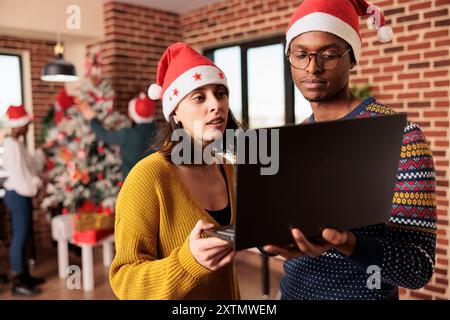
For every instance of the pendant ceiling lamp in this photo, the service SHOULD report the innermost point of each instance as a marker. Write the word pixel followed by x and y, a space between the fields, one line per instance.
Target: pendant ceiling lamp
pixel 59 69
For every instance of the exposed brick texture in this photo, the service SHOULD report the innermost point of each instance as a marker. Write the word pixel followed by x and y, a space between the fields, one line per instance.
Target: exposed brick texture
pixel 411 74
pixel 135 39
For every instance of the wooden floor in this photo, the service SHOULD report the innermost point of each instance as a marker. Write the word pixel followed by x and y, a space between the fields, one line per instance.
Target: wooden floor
pixel 248 266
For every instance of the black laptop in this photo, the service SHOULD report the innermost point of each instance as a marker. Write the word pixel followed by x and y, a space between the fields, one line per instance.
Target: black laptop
pixel 338 174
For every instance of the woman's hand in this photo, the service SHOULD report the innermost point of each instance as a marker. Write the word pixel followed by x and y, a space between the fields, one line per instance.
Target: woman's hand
pixel 212 253
pixel 86 110
pixel 344 242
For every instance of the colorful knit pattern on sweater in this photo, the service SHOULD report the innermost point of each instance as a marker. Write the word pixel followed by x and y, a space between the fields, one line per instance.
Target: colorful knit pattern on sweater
pixel 401 252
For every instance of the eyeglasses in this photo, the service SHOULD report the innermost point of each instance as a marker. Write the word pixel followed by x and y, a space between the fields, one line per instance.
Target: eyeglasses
pixel 325 59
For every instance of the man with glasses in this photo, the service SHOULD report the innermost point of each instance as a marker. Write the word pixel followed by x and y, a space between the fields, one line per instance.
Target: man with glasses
pixel 323 45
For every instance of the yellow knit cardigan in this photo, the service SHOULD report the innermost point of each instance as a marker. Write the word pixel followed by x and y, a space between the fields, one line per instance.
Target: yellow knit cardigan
pixel 155 214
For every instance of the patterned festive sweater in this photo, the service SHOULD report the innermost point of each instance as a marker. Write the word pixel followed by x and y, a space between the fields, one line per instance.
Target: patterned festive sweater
pixel 402 251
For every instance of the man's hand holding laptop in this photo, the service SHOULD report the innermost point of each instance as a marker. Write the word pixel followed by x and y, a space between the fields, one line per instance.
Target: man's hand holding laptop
pixel 344 242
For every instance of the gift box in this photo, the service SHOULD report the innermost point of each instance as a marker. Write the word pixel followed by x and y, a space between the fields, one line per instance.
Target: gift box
pixel 93 221
pixel 91 236
pixel 90 227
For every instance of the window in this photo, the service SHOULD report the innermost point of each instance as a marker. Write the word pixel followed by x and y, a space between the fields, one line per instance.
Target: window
pixel 11 89
pixel 262 93
pixel 229 60
pixel 265 70
pixel 302 107
pixel 11 93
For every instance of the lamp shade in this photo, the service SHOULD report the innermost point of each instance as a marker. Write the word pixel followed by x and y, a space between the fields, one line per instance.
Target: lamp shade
pixel 59 70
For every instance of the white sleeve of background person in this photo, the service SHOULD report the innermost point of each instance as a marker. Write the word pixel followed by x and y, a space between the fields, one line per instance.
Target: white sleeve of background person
pixel 20 170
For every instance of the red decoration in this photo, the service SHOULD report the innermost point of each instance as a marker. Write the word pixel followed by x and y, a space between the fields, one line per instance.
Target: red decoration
pixel 85 177
pixel 66 154
pixel 58 116
pixel 91 236
pixel 64 100
pixel 87 206
pixel 49 164
pixel 197 76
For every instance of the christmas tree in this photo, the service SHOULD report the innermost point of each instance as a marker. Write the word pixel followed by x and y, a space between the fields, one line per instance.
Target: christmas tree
pixel 83 173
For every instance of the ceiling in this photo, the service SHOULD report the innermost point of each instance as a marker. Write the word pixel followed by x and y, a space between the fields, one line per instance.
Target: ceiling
pixel 177 6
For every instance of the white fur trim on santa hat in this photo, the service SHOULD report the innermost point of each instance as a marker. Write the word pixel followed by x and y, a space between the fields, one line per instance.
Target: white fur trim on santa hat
pixel 319 21
pixel 188 81
pixel 133 114
pixel 18 122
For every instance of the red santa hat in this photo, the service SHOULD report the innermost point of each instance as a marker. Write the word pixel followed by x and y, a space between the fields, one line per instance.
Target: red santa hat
pixel 17 117
pixel 141 109
pixel 339 17
pixel 181 70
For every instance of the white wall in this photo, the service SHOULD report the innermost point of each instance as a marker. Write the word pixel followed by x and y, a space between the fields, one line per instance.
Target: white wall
pixel 45 19
pixel 48 17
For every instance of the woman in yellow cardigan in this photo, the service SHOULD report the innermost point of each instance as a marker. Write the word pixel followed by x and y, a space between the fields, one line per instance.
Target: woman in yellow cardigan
pixel 163 208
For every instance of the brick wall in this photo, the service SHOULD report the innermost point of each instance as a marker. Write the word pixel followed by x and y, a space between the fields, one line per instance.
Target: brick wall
pixel 410 74
pixel 43 94
pixel 135 39
pixel 235 21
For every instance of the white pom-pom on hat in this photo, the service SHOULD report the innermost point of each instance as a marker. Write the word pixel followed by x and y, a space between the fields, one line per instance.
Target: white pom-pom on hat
pixel 385 34
pixel 142 95
pixel 154 92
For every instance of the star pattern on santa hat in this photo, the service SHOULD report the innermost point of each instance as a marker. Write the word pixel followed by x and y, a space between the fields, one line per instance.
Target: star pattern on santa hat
pixel 197 76
pixel 181 70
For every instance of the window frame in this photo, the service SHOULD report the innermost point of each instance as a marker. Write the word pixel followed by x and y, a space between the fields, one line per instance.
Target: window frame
pixel 289 105
pixel 27 89
pixel 18 55
pixel 3 173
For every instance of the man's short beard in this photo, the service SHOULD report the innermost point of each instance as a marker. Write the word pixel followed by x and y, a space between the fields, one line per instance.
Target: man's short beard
pixel 317 100
pixel 322 99
pixel 328 97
